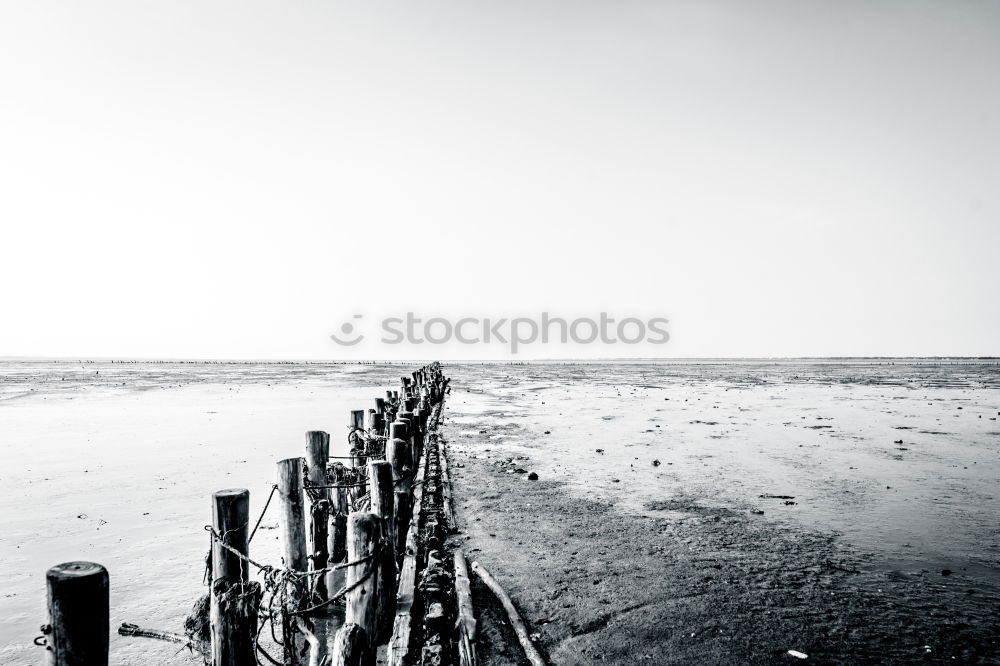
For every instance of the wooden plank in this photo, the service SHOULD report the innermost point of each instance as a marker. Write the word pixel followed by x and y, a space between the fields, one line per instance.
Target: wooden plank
pixel 449 505
pixel 466 621
pixel 530 651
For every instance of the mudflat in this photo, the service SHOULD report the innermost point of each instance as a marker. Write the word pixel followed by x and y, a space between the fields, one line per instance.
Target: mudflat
pixel 716 537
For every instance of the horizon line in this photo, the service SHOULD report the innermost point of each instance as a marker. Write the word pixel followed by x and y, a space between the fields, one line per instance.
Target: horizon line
pixel 141 359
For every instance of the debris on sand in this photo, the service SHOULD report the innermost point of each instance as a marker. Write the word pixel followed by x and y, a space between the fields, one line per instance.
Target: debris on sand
pixel 599 450
pixel 656 463
pixel 798 655
pixel 781 497
pixel 532 477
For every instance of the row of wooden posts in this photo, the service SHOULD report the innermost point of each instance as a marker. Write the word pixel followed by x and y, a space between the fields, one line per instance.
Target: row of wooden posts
pixel 341 530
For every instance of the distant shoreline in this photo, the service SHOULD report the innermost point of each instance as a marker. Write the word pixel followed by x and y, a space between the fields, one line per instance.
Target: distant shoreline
pixel 569 361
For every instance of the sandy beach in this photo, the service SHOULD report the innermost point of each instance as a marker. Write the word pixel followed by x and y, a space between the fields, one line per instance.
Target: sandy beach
pixel 684 512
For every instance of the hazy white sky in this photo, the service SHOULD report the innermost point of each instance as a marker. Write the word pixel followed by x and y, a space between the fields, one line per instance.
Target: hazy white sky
pixel 235 179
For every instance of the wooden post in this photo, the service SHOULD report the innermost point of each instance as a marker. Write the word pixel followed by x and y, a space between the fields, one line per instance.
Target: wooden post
pixel 380 486
pixel 418 434
pixel 230 520
pixel 337 545
pixel 364 532
pixel 293 528
pixel 234 599
pixel 399 430
pixel 398 451
pixel 401 513
pixel 293 552
pixel 350 647
pixel 383 500
pixel 425 412
pixel 317 455
pixel 339 535
pixel 78 614
pixel 407 418
pixel 411 429
pixel 358 418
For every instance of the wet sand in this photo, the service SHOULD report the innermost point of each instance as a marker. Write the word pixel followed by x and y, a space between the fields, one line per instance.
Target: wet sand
pixel 868 554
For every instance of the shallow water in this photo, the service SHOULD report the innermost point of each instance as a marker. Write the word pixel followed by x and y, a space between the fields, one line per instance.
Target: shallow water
pixel 116 463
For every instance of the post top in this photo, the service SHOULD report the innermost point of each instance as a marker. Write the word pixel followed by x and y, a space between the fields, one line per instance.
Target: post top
pixel 76 570
pixel 230 492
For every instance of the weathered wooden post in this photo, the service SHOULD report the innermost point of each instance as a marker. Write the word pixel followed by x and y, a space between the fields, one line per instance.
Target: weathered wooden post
pixel 78 614
pixel 293 552
pixel 317 455
pixel 293 529
pixel 419 419
pixel 397 451
pixel 383 501
pixel 364 534
pixel 380 487
pixel 411 428
pixel 425 411
pixel 337 538
pixel 358 419
pixel 359 456
pixel 402 511
pixel 350 647
pixel 234 599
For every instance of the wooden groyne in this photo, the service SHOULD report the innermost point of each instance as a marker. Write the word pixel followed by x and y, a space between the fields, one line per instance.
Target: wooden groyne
pixel 362 571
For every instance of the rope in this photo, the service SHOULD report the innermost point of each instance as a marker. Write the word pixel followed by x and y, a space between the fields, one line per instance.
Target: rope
pixel 342 592
pixel 273 570
pixel 274 488
pixel 336 485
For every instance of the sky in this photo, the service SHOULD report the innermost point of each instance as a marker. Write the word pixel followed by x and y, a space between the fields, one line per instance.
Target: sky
pixel 238 179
